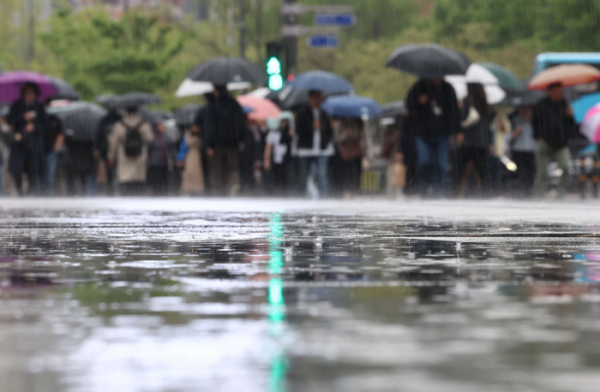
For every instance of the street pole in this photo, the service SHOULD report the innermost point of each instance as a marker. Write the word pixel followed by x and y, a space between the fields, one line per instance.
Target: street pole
pixel 31 30
pixel 242 28
pixel 290 43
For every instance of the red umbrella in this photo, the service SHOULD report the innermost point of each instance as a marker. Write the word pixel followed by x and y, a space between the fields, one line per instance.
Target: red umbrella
pixel 263 108
pixel 567 75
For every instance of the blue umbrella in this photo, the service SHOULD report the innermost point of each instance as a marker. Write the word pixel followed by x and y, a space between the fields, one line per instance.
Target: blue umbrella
pixel 351 106
pixel 321 81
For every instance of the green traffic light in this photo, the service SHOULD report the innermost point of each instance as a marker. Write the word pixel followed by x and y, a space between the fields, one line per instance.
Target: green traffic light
pixel 275 82
pixel 274 66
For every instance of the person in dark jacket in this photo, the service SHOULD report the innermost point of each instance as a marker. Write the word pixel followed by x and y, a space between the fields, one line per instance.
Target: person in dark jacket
pixel 53 141
pixel 434 117
pixel 162 153
pixel 552 122
pixel 475 137
pixel 28 123
pixel 105 127
pixel 224 124
pixel 315 143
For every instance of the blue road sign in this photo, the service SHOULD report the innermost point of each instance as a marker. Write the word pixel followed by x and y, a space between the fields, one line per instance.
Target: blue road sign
pixel 340 20
pixel 323 41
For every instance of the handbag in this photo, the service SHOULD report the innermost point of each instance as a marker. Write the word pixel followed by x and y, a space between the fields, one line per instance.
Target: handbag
pixel 398 175
pixel 472 119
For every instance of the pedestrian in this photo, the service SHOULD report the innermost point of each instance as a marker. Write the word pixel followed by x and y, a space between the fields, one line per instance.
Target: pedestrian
pixel 53 141
pixel 552 121
pixel 277 155
pixel 434 117
pixel 353 151
pixel 224 123
pixel 192 177
pixel 128 151
pixel 251 154
pixel 475 139
pixel 522 146
pixel 315 144
pixel 101 141
pixel 162 153
pixel 28 122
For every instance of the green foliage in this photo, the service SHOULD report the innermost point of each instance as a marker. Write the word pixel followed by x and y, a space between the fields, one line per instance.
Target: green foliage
pixel 100 54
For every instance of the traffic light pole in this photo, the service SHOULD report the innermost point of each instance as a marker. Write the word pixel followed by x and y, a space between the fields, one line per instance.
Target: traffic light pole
pixel 290 44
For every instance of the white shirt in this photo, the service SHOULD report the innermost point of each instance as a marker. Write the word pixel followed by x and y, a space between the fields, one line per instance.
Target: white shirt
pixel 316 151
pixel 279 150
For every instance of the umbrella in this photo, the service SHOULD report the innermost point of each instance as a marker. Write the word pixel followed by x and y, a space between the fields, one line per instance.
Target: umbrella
pixel 79 119
pixel 186 115
pixel 263 108
pixel 394 109
pixel 288 98
pixel 262 92
pixel 590 127
pixel 524 97
pixel 135 100
pixel 224 70
pixel 429 61
pixel 65 90
pixel 351 107
pixel 477 74
pixel 506 79
pixel 189 88
pixel 567 75
pixel 12 82
pixel 107 100
pixel 321 81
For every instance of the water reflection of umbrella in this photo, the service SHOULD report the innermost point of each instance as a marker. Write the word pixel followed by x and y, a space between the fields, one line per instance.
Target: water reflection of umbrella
pixel 429 61
pixel 351 107
pixel 225 70
pixel 263 108
pixel 326 82
pixel 394 109
pixel 79 119
pixel 12 82
pixel 64 90
pixel 567 75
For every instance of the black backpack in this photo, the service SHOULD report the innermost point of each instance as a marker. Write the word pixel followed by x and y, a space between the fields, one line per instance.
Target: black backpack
pixel 133 140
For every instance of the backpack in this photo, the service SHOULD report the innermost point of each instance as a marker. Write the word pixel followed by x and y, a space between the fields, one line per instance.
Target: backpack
pixel 133 140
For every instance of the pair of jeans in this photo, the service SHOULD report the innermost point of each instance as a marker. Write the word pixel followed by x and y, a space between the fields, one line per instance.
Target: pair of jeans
pixel 544 154
pixel 432 152
pixel 315 168
pixel 479 158
pixel 50 173
pixel 525 171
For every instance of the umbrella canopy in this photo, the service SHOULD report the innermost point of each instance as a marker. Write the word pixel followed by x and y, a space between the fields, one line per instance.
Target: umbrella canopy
pixel 263 108
pixel 321 81
pixel 288 98
pixel 590 127
pixel 190 88
pixel 107 100
pixel 506 79
pixel 186 115
pixel 135 100
pixel 225 70
pixel 477 74
pixel 524 97
pixel 79 119
pixel 394 109
pixel 65 90
pixel 262 92
pixel 12 82
pixel 429 61
pixel 351 107
pixel 567 75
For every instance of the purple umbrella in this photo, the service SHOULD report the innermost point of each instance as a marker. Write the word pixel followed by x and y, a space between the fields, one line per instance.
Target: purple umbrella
pixel 11 83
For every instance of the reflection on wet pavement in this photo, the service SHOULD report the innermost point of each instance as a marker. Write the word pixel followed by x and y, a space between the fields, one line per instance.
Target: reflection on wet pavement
pixel 157 301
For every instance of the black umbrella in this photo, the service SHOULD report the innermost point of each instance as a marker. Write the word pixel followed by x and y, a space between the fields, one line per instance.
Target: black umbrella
pixel 135 100
pixel 186 115
pixel 429 61
pixel 79 120
pixel 394 109
pixel 289 98
pixel 224 70
pixel 65 90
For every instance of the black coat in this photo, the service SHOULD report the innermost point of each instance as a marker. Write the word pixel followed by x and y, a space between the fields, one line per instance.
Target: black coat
pixel 424 121
pixel 304 128
pixel 224 122
pixel 105 127
pixel 27 146
pixel 551 122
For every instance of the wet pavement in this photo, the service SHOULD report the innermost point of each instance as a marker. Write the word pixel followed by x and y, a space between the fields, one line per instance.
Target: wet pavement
pixel 189 295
